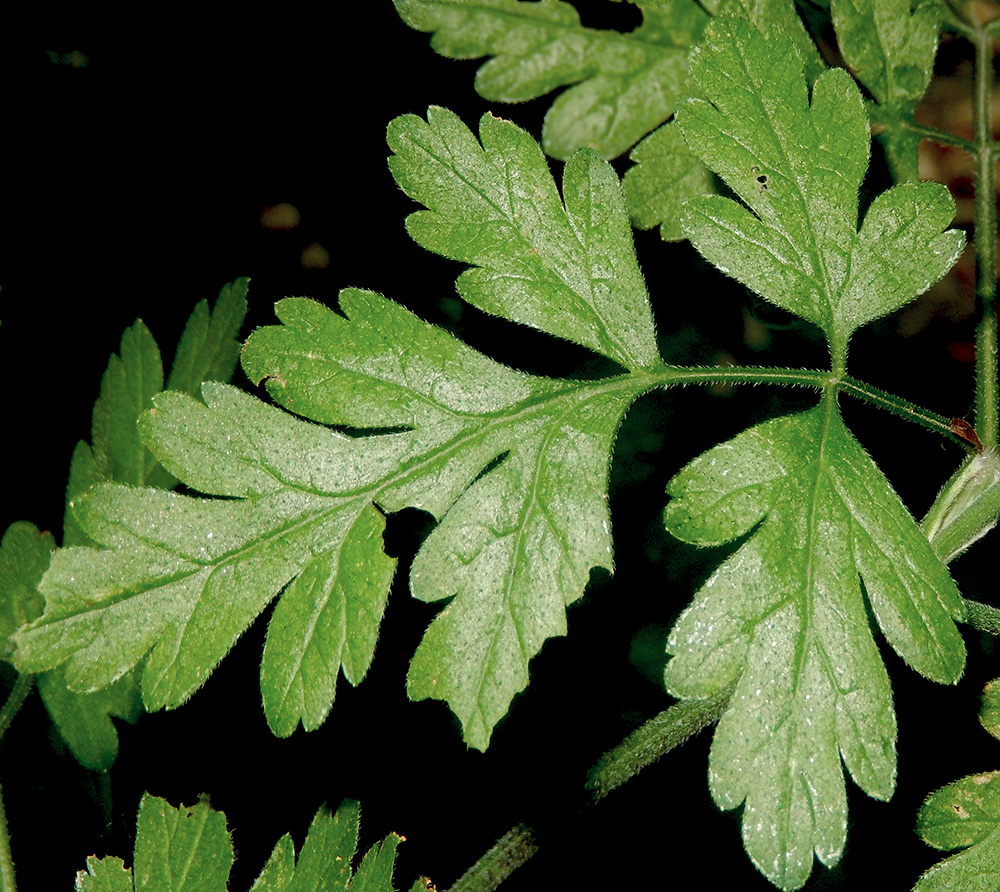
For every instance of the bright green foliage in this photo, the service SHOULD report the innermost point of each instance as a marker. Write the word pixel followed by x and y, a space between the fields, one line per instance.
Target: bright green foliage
pixel 785 614
pixel 324 864
pixel 891 51
pixel 626 84
pixel 798 166
pixel 989 715
pixel 570 271
pixel 514 466
pixel 963 815
pixel 25 552
pixel 779 16
pixel 189 850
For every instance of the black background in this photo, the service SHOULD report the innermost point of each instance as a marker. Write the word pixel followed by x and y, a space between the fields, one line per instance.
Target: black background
pixel 133 188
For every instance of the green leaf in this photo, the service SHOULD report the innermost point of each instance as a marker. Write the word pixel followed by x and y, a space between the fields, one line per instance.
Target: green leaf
pixel 25 553
pixel 989 715
pixel 324 864
pixel 181 849
pixel 625 84
pixel 891 51
pixel 328 618
pixel 963 815
pixel 568 270
pixel 665 175
pixel 127 390
pixel 785 614
pixel 84 720
pixel 189 849
pixel 209 347
pixel 781 16
pixel 797 167
pixel 107 874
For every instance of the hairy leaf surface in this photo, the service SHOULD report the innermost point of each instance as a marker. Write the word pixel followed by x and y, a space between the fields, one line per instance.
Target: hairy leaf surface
pixel 625 84
pixel 563 266
pixel 786 615
pixel 797 162
pixel 963 815
pixel 891 51
pixel 514 466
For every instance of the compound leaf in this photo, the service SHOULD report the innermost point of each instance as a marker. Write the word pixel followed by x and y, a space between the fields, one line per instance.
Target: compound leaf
pixel 785 614
pixel 625 84
pixel 514 466
pixel 891 51
pixel 797 166
pixel 963 815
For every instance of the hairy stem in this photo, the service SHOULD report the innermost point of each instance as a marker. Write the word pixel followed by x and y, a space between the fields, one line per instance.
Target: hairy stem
pixel 640 749
pixel 654 739
pixel 8 883
pixel 987 396
pixel 515 847
pixel 982 617
pixel 18 694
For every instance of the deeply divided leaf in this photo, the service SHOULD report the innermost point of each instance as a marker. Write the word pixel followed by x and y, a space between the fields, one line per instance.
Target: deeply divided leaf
pixel 568 269
pixel 514 466
pixel 624 85
pixel 785 614
pixel 796 162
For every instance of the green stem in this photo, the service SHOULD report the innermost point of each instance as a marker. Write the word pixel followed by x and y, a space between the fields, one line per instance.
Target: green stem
pixel 515 847
pixel 8 882
pixel 880 117
pixel 982 616
pixel 655 739
pixel 987 395
pixel 819 380
pixel 18 694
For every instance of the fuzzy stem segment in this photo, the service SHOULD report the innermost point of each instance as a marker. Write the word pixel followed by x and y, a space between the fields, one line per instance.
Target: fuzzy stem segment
pixel 987 389
pixel 655 739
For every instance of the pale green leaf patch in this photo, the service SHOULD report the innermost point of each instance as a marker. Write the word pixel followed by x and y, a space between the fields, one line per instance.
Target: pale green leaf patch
pixel 796 161
pixel 621 86
pixel 565 268
pixel 785 614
